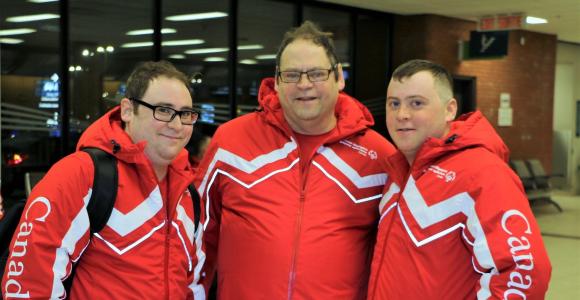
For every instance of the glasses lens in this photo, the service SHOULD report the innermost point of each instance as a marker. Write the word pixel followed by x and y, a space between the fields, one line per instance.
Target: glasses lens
pixel 290 77
pixel 188 117
pixel 164 114
pixel 318 75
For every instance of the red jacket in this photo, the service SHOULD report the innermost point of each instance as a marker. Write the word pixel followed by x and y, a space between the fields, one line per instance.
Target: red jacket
pixel 462 227
pixel 146 250
pixel 283 233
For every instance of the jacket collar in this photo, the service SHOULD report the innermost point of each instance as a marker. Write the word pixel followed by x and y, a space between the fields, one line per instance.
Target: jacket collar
pixel 352 116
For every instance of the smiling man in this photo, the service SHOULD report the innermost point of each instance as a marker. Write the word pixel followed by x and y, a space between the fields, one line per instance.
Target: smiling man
pixel 293 189
pixel 461 227
pixel 148 249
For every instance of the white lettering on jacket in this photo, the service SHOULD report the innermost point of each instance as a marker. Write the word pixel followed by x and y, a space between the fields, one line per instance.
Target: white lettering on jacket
pixel 13 288
pixel 520 249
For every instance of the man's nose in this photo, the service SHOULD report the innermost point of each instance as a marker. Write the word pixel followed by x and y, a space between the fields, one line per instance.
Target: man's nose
pixel 403 113
pixel 304 81
pixel 175 122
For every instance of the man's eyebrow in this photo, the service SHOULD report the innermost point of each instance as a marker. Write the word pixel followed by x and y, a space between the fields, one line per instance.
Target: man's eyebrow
pixel 170 105
pixel 300 69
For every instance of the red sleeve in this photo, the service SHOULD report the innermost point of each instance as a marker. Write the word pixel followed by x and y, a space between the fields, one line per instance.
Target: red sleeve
pixel 207 184
pixel 508 249
pixel 53 231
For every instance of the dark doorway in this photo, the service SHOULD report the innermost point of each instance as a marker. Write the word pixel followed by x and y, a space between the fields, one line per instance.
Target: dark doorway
pixel 464 91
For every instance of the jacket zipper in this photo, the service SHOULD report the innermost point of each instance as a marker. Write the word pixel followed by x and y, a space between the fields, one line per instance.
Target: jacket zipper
pixel 166 268
pixel 373 288
pixel 297 232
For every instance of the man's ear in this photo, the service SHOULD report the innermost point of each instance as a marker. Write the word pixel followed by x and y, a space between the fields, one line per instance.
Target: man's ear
pixel 276 79
pixel 341 82
pixel 451 110
pixel 126 110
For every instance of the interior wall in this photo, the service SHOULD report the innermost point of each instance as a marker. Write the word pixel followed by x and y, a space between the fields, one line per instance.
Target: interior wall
pixel 568 60
pixel 526 73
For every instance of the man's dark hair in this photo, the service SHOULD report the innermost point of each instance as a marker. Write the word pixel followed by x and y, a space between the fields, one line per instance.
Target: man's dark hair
pixel 145 72
pixel 311 32
pixel 440 74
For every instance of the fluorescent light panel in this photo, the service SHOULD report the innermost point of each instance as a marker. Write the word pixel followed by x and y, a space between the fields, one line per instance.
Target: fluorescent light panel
pixel 206 50
pixel 535 20
pixel 42 1
pixel 32 18
pixel 266 56
pixel 150 31
pixel 250 47
pixel 214 59
pixel 182 42
pixel 199 16
pixel 16 31
pixel 177 56
pixel 10 41
pixel 223 49
pixel 137 45
pixel 248 61
pixel 165 43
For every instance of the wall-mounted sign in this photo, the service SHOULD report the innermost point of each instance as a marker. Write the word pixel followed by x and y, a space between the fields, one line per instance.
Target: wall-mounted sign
pixel 501 22
pixel 488 44
pixel 49 92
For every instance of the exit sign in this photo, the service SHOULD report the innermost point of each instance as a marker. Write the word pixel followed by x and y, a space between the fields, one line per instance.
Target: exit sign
pixel 501 22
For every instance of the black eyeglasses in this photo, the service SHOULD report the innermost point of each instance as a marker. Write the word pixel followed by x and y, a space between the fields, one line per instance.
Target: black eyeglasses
pixel 315 75
pixel 167 114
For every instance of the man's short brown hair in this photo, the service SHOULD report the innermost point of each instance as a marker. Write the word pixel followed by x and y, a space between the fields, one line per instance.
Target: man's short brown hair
pixel 442 77
pixel 311 32
pixel 145 72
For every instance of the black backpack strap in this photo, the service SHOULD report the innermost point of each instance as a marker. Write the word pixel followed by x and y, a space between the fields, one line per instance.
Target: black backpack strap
pixel 104 192
pixel 196 204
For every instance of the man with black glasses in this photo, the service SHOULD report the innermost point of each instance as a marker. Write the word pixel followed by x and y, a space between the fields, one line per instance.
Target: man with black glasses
pixel 149 247
pixel 292 190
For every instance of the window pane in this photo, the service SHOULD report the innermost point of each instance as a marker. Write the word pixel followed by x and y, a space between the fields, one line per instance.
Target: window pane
pixel 337 22
pixel 29 91
pixel 261 27
pixel 203 26
pixel 104 48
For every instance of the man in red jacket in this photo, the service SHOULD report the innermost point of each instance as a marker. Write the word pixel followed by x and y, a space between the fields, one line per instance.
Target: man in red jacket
pixel 292 190
pixel 455 221
pixel 148 248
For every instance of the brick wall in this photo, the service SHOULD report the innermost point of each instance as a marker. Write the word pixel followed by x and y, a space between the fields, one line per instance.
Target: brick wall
pixel 526 73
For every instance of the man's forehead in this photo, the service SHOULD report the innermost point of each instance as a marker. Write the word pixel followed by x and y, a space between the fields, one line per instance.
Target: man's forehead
pixel 304 53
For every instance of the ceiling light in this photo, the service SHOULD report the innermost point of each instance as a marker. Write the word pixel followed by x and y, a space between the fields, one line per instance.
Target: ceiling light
pixel 177 56
pixel 137 45
pixel 86 52
pixel 206 50
pixel 5 32
pixel 42 1
pixel 100 49
pixel 248 61
pixel 266 56
pixel 150 31
pixel 182 42
pixel 166 43
pixel 535 20
pixel 214 59
pixel 200 16
pixel 250 47
pixel 30 18
pixel 110 49
pixel 10 41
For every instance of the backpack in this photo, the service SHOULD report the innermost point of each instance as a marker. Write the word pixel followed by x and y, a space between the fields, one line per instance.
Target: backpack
pixel 104 188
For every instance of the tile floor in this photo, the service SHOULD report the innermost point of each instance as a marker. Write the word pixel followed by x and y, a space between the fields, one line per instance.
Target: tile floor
pixel 561 232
